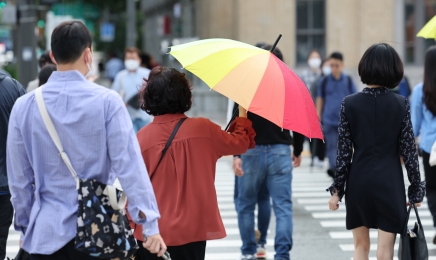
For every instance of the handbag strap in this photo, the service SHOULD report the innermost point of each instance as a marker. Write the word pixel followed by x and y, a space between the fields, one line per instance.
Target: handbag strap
pixel 170 140
pixel 408 216
pixel 110 190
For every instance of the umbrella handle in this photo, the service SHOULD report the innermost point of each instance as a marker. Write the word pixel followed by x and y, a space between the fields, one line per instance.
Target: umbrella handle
pixel 242 113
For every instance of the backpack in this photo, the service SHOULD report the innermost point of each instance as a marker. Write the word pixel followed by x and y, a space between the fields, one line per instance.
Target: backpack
pixel 324 84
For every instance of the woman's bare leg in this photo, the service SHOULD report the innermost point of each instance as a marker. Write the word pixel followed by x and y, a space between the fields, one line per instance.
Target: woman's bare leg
pixel 361 243
pixel 385 245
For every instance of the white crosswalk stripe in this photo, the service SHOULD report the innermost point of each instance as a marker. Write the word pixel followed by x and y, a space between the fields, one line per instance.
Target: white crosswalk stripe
pixel 314 199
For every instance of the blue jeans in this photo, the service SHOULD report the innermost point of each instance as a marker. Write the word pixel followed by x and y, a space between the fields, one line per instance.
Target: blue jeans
pixel 264 209
pixel 270 164
pixel 331 141
pixel 139 123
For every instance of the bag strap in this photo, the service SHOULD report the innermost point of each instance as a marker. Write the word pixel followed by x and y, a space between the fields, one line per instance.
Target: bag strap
pixel 110 190
pixel 170 140
pixel 52 132
pixel 408 216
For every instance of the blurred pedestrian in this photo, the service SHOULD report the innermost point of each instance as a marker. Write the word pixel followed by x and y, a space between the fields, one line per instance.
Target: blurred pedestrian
pixel 43 61
pixel 147 61
pixel 128 83
pixel 263 207
pixel 45 74
pixel 113 66
pixel 403 88
pixel 423 107
pixel 263 199
pixel 10 91
pixel 331 91
pixel 376 124
pixel 313 71
pixel 95 129
pixel 184 180
pixel 269 164
pixel 317 147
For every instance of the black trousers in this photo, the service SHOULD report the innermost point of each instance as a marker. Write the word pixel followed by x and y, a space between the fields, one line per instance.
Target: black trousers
pixel 190 251
pixel 6 214
pixel 68 252
pixel 430 185
pixel 317 148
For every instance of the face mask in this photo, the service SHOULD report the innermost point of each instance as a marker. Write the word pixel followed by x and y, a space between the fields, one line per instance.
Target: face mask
pixel 326 70
pixel 90 67
pixel 131 65
pixel 314 63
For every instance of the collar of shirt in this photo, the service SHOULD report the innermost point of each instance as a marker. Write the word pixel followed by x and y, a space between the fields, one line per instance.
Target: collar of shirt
pixel 69 75
pixel 333 78
pixel 168 118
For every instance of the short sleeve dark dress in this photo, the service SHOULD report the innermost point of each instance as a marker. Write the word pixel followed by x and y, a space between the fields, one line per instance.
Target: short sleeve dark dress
pixel 376 124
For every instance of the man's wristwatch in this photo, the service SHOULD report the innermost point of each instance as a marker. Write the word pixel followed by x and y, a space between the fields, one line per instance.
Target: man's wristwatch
pixel 236 156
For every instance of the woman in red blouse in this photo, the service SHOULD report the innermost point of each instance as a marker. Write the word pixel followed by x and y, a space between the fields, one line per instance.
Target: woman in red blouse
pixel 184 181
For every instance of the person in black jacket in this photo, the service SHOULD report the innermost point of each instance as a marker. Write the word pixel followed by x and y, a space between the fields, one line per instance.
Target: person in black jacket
pixel 10 91
pixel 269 166
pixel 374 128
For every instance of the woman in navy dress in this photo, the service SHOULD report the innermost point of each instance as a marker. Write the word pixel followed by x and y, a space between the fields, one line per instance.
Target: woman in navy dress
pixel 374 130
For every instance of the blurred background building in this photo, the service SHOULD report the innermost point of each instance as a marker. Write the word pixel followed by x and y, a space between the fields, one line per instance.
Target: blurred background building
pixel 348 26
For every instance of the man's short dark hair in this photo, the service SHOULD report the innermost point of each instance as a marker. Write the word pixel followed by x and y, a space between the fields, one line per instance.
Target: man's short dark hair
pixel 45 73
pixel 380 65
pixel 337 56
pixel 167 91
pixel 69 40
pixel 133 50
pixel 44 59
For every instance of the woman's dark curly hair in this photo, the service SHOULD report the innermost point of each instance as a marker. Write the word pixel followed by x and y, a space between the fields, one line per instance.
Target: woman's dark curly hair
pixel 167 91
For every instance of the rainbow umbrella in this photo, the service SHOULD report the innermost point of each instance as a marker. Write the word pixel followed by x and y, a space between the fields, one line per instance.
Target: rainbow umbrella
pixel 255 79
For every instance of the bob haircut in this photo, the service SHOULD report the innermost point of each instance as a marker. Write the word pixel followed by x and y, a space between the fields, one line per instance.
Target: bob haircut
pixel 167 91
pixel 380 65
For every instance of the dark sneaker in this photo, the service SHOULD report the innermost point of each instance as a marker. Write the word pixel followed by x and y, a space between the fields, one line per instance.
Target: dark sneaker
pixel 434 240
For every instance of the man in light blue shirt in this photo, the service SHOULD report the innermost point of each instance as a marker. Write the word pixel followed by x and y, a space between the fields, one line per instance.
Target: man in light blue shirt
pixel 113 66
pixel 97 134
pixel 129 82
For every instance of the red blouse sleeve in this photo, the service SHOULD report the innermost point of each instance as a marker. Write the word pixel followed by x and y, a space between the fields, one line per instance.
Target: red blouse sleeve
pixel 237 140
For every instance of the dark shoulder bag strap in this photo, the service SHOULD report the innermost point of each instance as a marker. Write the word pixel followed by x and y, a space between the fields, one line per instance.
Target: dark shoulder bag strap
pixel 350 85
pixel 170 140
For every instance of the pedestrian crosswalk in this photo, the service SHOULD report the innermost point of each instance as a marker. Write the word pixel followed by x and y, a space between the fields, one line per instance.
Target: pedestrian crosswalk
pixel 314 201
pixel 311 212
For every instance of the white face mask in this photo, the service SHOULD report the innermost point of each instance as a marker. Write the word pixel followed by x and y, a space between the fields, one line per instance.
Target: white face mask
pixel 314 63
pixel 326 70
pixel 90 67
pixel 131 65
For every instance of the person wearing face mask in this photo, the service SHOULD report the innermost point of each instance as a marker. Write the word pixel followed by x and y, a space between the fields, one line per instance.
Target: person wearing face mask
pixel 317 146
pixel 311 73
pixel 331 91
pixel 128 83
pixel 95 130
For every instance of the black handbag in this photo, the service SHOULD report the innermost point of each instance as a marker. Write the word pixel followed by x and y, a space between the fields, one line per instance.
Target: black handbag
pixel 22 255
pixel 134 102
pixel 102 227
pixel 412 242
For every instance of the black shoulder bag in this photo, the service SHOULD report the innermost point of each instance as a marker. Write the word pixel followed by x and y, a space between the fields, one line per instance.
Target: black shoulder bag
pixel 412 242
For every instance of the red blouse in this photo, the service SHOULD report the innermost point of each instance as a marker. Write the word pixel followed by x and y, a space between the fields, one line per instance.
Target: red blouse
pixel 184 182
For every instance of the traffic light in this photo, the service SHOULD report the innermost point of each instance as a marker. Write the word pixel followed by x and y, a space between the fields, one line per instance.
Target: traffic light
pixel 2 4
